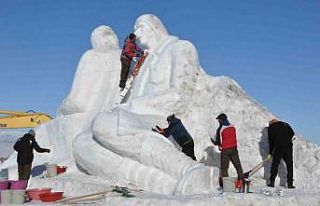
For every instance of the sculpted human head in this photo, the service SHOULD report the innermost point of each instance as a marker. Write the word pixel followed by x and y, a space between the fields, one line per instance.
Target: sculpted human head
pixel 103 39
pixel 149 30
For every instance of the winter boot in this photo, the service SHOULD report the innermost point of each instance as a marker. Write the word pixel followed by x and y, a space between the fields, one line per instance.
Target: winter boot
pixel 270 184
pixel 290 185
pixel 221 183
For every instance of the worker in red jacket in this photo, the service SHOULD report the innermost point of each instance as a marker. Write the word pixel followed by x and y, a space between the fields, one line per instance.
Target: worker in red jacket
pixel 130 51
pixel 226 139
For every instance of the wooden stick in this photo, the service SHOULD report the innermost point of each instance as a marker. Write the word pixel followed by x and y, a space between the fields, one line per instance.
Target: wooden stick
pixel 84 196
pixel 94 195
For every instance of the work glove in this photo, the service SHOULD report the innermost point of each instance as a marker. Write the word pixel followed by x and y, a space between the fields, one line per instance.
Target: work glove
pixel 135 59
pixel 145 52
pixel 48 150
pixel 269 157
pixel 158 129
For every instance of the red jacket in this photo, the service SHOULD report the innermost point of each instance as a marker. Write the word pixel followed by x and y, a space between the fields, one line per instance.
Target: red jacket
pixel 228 137
pixel 130 49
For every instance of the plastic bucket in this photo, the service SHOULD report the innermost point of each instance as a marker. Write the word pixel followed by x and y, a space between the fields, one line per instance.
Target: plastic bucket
pixel 18 184
pixel 51 170
pixel 229 184
pixel 35 193
pixel 51 196
pixel 61 169
pixel 5 196
pixel 4 184
pixel 18 196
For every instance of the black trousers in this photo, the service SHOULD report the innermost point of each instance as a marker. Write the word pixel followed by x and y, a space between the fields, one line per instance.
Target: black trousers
pixel 286 155
pixel 125 67
pixel 24 171
pixel 188 149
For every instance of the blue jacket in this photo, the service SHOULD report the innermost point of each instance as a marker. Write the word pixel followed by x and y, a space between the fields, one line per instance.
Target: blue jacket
pixel 178 132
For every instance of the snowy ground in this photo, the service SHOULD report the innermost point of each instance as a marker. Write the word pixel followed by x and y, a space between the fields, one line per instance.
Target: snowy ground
pixel 262 196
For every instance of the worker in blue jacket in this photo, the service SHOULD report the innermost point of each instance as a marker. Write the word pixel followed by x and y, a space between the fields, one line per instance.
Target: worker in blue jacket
pixel 179 134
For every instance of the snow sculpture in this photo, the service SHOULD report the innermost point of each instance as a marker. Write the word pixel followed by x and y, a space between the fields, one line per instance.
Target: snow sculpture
pixel 124 134
pixel 95 80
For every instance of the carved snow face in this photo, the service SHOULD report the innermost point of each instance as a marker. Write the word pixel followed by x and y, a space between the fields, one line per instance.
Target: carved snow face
pixel 103 39
pixel 144 34
pixel 149 30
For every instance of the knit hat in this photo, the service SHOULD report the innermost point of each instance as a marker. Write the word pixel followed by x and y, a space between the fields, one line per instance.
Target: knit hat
pixel 222 117
pixel 170 118
pixel 32 132
pixel 132 36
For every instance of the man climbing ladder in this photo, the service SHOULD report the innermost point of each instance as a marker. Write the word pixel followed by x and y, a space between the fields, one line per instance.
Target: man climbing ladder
pixel 130 51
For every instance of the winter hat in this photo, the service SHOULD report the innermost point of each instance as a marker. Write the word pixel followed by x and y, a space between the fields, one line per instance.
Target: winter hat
pixel 132 36
pixel 32 132
pixel 170 117
pixel 273 121
pixel 222 117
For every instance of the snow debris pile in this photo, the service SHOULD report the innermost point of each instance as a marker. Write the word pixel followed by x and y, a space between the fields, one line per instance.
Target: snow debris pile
pixel 106 139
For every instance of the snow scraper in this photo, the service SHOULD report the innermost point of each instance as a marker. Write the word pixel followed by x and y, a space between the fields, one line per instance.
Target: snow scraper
pixel 254 169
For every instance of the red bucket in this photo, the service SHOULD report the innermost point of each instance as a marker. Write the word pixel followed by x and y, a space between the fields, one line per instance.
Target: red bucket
pixel 51 196
pixel 61 169
pixel 18 184
pixel 35 193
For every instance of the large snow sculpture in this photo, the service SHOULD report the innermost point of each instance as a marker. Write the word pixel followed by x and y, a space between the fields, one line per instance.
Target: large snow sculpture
pixel 124 133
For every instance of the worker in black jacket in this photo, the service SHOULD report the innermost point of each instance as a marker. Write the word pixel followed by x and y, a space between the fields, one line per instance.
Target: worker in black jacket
pixel 24 146
pixel 280 136
pixel 179 134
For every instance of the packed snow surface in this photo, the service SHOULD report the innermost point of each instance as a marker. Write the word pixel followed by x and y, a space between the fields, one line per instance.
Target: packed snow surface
pixel 105 143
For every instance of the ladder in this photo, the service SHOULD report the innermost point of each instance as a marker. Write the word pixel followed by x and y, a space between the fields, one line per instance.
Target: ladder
pixel 134 73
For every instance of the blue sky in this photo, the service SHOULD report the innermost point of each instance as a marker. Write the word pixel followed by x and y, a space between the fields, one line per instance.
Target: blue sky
pixel 271 48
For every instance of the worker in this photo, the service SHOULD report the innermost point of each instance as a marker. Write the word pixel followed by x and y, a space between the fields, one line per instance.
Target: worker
pixel 280 136
pixel 24 146
pixel 179 133
pixel 130 51
pixel 226 139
